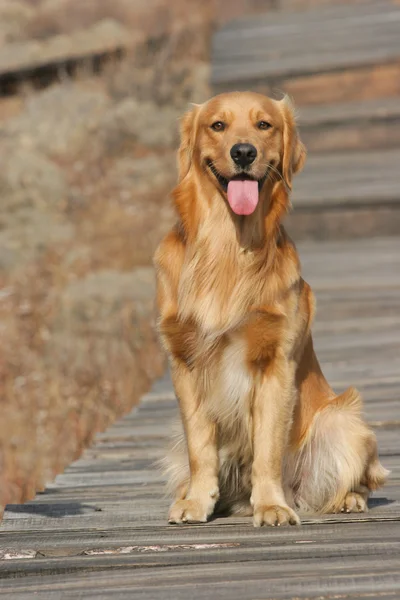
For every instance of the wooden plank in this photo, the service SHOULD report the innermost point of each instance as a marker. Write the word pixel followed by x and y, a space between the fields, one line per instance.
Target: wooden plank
pixel 387 109
pixel 333 576
pixel 352 33
pixel 348 194
pixel 138 557
pixel 58 543
pixel 372 124
pixel 267 67
pixel 360 135
pixel 52 542
pixel 239 52
pixel 348 178
pixel 317 16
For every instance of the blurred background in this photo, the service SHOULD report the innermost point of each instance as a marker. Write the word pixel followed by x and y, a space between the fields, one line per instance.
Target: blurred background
pixel 90 96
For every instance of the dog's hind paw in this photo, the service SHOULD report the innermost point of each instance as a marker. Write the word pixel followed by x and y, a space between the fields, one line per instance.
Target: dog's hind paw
pixel 354 503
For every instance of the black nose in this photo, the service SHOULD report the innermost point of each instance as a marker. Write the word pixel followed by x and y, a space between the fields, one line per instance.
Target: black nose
pixel 243 154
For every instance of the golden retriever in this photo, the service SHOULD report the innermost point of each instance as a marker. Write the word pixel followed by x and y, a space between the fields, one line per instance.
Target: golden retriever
pixel 263 433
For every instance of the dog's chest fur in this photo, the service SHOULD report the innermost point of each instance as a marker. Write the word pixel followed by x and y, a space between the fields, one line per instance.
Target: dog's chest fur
pixel 232 316
pixel 219 283
pixel 220 293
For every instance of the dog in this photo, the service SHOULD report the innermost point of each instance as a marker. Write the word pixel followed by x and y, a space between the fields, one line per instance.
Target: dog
pixel 261 431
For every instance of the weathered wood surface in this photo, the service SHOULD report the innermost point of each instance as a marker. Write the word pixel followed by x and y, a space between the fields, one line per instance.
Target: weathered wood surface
pixel 349 179
pixel 100 530
pixel 347 194
pixel 368 125
pixel 349 112
pixel 279 45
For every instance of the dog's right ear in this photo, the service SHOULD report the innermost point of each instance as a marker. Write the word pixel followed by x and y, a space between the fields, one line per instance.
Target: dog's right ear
pixel 294 151
pixel 188 136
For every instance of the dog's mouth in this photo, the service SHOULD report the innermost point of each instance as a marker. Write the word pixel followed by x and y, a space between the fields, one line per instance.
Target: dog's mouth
pixel 242 190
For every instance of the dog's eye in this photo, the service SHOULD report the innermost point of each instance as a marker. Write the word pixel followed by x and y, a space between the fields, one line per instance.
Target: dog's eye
pixel 218 126
pixel 263 125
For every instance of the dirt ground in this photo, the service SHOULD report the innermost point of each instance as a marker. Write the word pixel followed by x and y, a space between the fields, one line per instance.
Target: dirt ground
pixel 86 165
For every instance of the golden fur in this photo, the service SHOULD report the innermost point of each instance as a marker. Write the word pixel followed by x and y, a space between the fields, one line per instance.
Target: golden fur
pixel 263 433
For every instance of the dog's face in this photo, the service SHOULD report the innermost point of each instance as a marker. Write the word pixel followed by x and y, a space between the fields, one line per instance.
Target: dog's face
pixel 239 140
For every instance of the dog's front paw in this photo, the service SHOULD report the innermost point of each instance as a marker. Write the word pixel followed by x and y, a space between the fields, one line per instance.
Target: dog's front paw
pixel 274 515
pixel 189 511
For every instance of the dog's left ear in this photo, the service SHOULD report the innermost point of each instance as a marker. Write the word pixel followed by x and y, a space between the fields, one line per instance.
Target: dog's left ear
pixel 294 151
pixel 188 135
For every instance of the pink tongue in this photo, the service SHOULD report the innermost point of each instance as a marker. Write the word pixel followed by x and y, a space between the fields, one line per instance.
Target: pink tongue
pixel 243 196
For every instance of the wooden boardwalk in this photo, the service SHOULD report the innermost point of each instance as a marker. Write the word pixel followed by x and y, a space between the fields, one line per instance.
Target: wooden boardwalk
pixel 100 530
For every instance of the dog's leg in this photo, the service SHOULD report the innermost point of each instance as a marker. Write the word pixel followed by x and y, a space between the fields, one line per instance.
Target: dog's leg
pixel 337 465
pixel 272 415
pixel 201 438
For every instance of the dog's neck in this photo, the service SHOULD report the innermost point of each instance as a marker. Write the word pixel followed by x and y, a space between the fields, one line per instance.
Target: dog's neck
pixel 203 207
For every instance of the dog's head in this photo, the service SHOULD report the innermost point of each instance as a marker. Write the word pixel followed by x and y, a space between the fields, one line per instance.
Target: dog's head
pixel 239 140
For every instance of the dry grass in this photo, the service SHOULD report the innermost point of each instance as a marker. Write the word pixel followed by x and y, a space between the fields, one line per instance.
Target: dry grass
pixel 71 361
pixel 60 387
pixel 154 17
pixel 78 345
